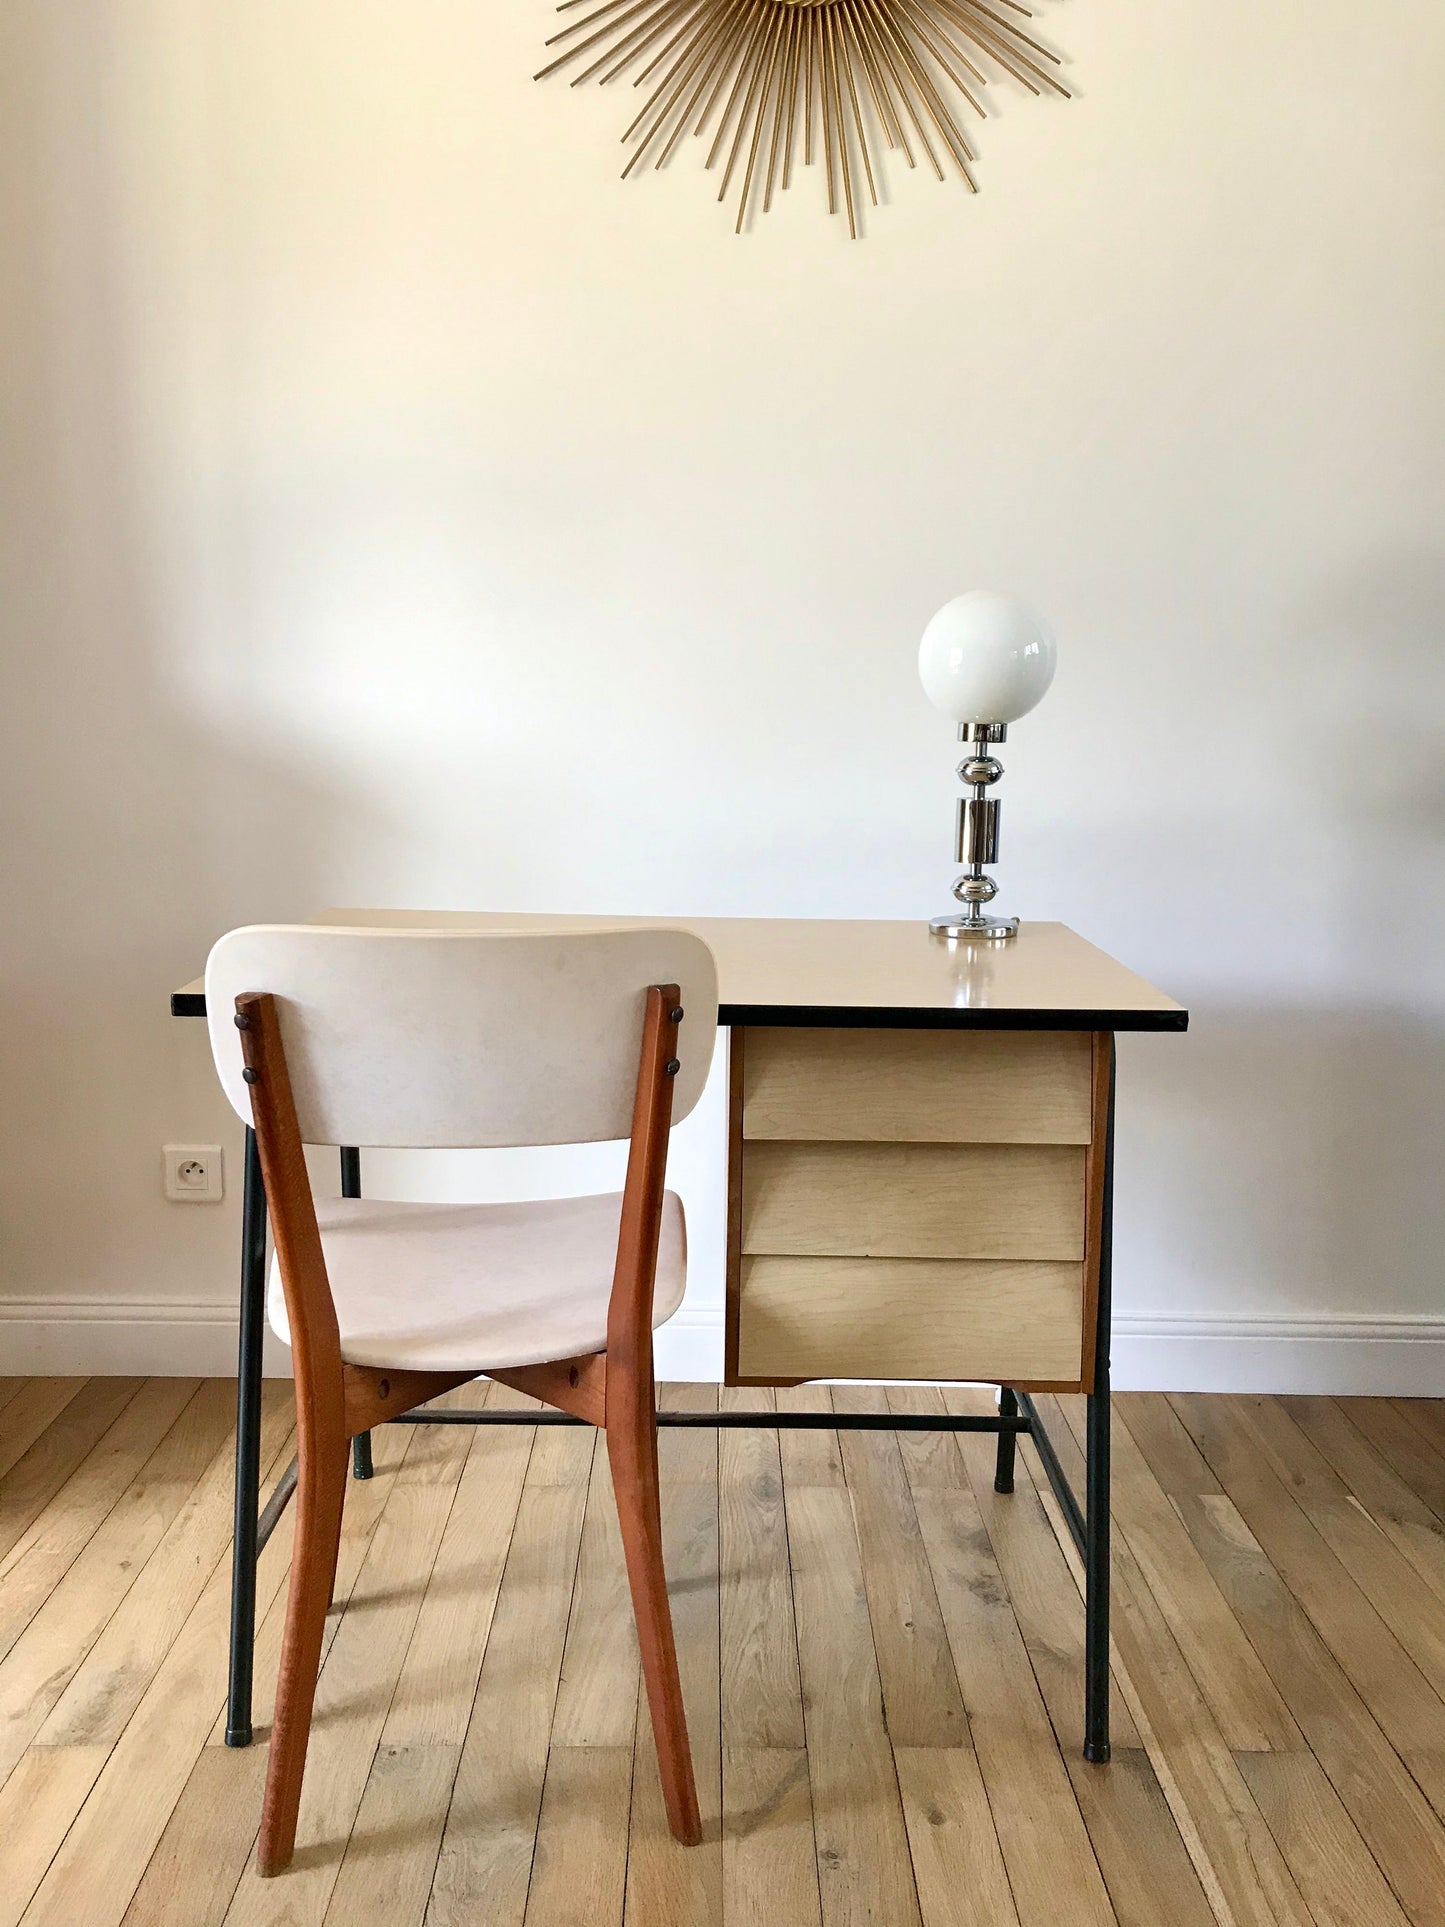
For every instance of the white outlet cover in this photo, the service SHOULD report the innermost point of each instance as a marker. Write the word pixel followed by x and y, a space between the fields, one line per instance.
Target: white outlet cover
pixel 194 1173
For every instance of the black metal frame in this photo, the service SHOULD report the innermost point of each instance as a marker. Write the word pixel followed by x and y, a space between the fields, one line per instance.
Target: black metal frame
pixel 1017 1413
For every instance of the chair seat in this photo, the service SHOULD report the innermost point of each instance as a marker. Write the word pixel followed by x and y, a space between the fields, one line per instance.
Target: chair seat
pixel 454 1287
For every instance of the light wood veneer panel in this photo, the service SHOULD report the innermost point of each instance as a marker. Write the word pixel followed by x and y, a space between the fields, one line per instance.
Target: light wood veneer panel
pixel 914 1200
pixel 1012 1323
pixel 922 1087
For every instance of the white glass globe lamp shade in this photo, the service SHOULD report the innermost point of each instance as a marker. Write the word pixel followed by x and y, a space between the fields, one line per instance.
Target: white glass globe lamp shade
pixel 986 658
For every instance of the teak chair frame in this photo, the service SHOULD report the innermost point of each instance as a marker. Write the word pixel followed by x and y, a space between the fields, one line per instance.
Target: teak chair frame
pixel 613 1389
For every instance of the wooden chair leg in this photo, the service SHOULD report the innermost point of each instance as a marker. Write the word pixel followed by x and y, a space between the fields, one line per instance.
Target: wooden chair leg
pixel 632 1451
pixel 320 1492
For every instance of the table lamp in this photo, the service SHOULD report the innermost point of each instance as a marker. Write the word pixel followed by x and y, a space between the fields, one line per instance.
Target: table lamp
pixel 985 660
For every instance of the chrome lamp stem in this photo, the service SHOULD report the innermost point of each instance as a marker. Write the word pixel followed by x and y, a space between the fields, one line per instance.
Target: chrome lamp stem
pixel 977 838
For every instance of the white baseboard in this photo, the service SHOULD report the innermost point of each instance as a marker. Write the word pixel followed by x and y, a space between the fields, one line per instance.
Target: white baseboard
pixel 124 1338
pixel 1380 1355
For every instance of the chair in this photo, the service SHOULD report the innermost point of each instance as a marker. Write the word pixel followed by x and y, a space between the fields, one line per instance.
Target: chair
pixel 425 1038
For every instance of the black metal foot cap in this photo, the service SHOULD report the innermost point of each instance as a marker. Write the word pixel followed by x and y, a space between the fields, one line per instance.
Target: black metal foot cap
pixel 1097 1752
pixel 238 1736
pixel 1003 1485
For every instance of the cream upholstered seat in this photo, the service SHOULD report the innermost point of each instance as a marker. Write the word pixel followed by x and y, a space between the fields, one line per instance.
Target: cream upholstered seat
pixel 415 1284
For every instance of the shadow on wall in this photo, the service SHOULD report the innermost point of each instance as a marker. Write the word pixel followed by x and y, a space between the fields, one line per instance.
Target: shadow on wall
pixel 132 839
pixel 1291 1166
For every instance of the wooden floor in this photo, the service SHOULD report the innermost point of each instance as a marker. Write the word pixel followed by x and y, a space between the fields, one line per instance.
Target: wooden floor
pixel 882 1662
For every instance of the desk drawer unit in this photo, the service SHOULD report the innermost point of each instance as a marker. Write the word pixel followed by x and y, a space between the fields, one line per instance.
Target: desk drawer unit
pixel 914 1204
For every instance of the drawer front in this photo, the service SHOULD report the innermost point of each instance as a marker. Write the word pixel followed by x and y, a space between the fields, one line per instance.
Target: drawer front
pixel 913 1200
pixel 917 1087
pixel 1014 1323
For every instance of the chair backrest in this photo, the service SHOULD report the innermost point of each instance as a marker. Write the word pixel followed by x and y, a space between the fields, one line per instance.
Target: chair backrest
pixel 458 1038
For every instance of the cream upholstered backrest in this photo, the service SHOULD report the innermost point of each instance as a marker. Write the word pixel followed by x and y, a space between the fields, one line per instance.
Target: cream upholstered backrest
pixel 461 1039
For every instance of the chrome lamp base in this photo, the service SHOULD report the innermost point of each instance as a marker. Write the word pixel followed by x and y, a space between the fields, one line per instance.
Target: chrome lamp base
pixel 979 929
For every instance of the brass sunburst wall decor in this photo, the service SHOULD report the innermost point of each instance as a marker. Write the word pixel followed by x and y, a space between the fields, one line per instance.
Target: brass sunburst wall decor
pixel 772 81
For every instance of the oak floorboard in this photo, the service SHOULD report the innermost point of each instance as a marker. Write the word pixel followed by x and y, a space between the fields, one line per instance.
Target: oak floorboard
pixel 484 1866
pixel 1331 1863
pixel 197 1863
pixel 1386 1677
pixel 35 1478
pixel 865 1873
pixel 962 1881
pixel 483 1754
pixel 1381 1795
pixel 386 1871
pixel 811 1456
pixel 1051 1863
pixel 48 1654
pixel 45 1551
pixel 770 1855
pixel 762 1701
pixel 37 1405
pixel 921 1699
pixel 358 1680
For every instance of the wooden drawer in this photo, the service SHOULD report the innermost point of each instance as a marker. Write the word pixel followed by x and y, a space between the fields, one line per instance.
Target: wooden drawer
pixel 918 1086
pixel 1012 1323
pixel 914 1204
pixel 913 1200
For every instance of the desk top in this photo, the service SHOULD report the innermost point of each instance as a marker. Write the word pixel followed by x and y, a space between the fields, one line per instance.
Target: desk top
pixel 860 974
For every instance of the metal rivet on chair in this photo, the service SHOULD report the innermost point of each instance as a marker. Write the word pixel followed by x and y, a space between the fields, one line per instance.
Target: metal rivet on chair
pixel 672 1067
pixel 250 1076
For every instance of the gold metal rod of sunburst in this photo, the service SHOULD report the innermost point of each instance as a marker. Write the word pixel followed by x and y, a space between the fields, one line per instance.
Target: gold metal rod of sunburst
pixel 904 94
pixel 796 54
pixel 710 56
pixel 736 46
pixel 863 77
pixel 636 42
pixel 832 167
pixel 812 20
pixel 993 41
pixel 750 45
pixel 766 55
pixel 776 140
pixel 937 109
pixel 860 54
pixel 774 42
pixel 895 50
pixel 978 6
pixel 841 126
pixel 940 47
pixel 632 47
pixel 858 127
pixel 601 34
pixel 716 37
pixel 695 26
pixel 608 6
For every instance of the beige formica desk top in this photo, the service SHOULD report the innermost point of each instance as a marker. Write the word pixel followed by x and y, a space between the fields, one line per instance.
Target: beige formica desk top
pixel 858 973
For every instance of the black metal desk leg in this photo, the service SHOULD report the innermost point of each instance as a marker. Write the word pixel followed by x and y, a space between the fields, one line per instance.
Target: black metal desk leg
pixel 248 1448
pixel 1096 1521
pixel 351 1188
pixel 1003 1471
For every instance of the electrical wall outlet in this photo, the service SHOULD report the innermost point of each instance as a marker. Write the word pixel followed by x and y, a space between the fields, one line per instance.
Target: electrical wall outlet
pixel 193 1173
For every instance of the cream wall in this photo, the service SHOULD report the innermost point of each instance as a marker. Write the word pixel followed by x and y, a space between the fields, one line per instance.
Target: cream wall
pixel 397 508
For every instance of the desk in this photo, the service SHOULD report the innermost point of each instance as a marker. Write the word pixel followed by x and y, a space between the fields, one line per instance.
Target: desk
pixel 920 1185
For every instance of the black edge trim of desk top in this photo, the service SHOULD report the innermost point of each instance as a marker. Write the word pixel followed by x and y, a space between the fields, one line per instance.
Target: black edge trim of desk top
pixel 932 1017
pixel 192 1003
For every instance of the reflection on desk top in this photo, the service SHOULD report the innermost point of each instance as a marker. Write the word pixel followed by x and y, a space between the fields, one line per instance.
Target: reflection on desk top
pixel 858 973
